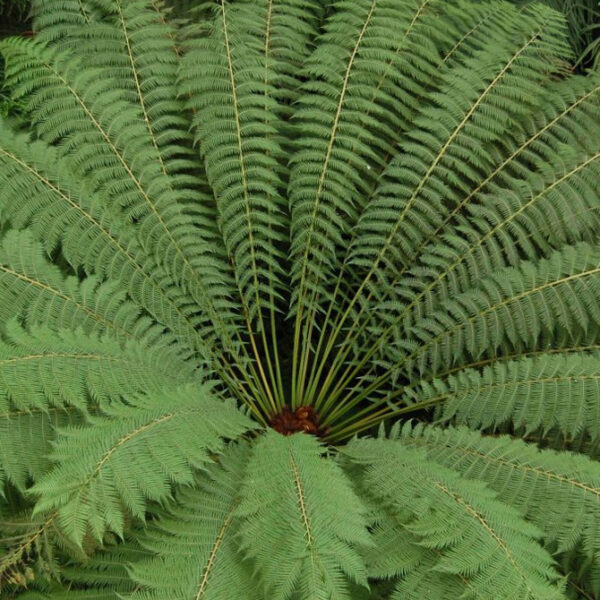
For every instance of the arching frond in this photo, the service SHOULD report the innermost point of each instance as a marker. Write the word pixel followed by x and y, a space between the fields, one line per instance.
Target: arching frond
pixel 50 379
pixel 516 211
pixel 197 541
pixel 295 526
pixel 61 212
pixel 447 149
pixel 37 291
pixel 165 434
pixel 557 491
pixel 349 127
pixel 233 110
pixel 80 106
pixel 515 305
pixel 551 392
pixel 472 542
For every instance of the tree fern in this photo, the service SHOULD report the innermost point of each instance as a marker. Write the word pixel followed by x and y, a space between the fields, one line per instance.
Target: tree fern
pixel 238 237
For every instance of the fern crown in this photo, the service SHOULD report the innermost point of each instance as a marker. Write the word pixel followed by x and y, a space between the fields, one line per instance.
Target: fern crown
pixel 299 301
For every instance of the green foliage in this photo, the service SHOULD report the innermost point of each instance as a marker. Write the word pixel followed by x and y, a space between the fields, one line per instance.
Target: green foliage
pixel 453 529
pixel 223 221
pixel 282 507
pixel 583 19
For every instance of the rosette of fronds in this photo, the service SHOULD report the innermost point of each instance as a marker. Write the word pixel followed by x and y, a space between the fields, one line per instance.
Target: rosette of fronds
pixel 299 302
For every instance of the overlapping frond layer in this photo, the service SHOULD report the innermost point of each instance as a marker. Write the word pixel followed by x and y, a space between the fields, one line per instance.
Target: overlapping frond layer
pixel 473 544
pixel 36 291
pixel 196 542
pixel 41 194
pixel 230 84
pixel 364 82
pixel 547 392
pixel 301 521
pixel 49 379
pixel 105 576
pixel 513 307
pixel 453 142
pixel 106 142
pixel 516 211
pixel 43 367
pixel 136 48
pixel 164 434
pixel 62 22
pixel 558 491
pixel 537 193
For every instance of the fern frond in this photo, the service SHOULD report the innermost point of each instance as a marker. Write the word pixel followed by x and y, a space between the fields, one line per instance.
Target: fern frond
pixel 61 212
pixel 49 379
pixel 473 542
pixel 447 149
pixel 26 440
pixel 349 128
pixel 548 392
pixel 281 33
pixel 300 520
pixel 514 306
pixel 558 491
pixel 61 22
pixel 42 367
pixel 197 540
pixel 165 434
pixel 238 131
pixel 81 107
pixel 37 291
pixel 516 211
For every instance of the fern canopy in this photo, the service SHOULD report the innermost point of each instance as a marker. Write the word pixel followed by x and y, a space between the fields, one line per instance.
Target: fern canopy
pixel 299 301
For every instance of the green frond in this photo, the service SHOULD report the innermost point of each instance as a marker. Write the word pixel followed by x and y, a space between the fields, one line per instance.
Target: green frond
pixel 447 149
pixel 514 306
pixel 27 437
pixel 42 195
pixel 470 542
pixel 363 85
pixel 301 522
pixel 548 392
pixel 229 84
pixel 51 379
pixel 516 211
pixel 558 491
pixel 101 577
pixel 281 33
pixel 40 367
pixel 60 22
pixel 37 291
pixel 196 542
pixel 165 434
pixel 80 106
pixel 106 574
